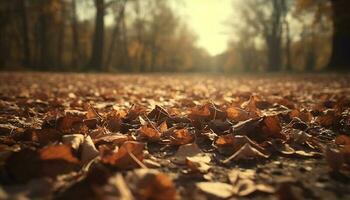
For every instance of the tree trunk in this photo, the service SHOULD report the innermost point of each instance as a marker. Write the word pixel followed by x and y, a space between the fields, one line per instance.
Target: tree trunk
pixel 46 47
pixel 288 47
pixel 25 32
pixel 98 40
pixel 61 37
pixel 273 39
pixel 341 35
pixel 115 33
pixel 126 63
pixel 274 54
pixel 76 54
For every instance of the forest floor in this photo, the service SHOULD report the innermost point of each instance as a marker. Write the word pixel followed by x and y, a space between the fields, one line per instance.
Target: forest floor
pixel 99 136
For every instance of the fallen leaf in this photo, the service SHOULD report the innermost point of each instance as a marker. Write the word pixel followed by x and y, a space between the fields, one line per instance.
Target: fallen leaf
pixel 342 140
pixel 113 122
pixel 198 163
pixel 73 140
pixel 200 113
pixel 228 144
pixel 50 161
pixel 193 157
pixel 304 115
pixel 114 139
pixel 57 152
pixel 187 150
pixel 216 189
pixel 237 114
pixel 128 155
pixel 246 152
pixel 271 127
pixel 244 187
pixel 282 147
pixel 41 136
pixel 88 150
pixel 148 132
pixel 158 114
pixel 181 137
pixel 163 127
pixel 328 118
pixel 151 184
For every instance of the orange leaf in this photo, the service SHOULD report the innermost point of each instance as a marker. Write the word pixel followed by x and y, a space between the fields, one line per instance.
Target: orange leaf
pixel 149 133
pixel 123 158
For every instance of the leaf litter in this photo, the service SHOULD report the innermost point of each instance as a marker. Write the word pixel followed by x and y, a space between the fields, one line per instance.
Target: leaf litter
pixel 200 137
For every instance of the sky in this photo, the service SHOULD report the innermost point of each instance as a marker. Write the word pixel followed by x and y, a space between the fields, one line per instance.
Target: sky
pixel 207 19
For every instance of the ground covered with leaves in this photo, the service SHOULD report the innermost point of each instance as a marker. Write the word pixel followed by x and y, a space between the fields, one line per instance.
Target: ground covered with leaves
pixel 88 136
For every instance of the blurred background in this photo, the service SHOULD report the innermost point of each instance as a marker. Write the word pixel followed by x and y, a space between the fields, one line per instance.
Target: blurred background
pixel 174 35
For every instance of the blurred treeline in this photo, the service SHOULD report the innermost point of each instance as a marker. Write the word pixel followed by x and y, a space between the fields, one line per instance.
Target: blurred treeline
pixel 150 36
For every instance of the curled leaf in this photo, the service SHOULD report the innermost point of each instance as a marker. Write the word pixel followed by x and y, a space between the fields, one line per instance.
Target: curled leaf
pixel 181 137
pixel 246 152
pixel 126 157
pixel 88 150
pixel 150 133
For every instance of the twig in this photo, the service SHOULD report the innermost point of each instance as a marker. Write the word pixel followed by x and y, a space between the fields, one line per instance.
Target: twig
pixel 137 160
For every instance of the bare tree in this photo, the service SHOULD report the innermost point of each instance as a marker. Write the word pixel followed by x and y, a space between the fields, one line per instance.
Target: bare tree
pixel 96 59
pixel 119 19
pixel 341 37
pixel 25 32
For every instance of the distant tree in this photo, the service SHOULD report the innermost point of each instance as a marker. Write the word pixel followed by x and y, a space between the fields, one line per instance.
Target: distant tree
pixel 267 18
pixel 341 37
pixel 96 59
pixel 25 32
pixel 117 31
pixel 76 52
pixel 340 15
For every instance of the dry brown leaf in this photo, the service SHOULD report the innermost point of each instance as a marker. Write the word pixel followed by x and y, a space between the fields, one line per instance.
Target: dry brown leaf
pixel 193 157
pixel 200 113
pixel 135 112
pixel 114 139
pixel 251 107
pixel 150 133
pixel 50 161
pixel 342 140
pixel 187 150
pixel 73 140
pixel 328 119
pixel 304 115
pixel 237 114
pixel 246 152
pixel 198 163
pixel 113 123
pixel 66 123
pixel 244 185
pixel 181 137
pixel 216 189
pixel 41 136
pixel 151 184
pixel 271 127
pixel 158 114
pixel 88 150
pixel 228 144
pixel 57 152
pixel 163 127
pixel 282 147
pixel 128 155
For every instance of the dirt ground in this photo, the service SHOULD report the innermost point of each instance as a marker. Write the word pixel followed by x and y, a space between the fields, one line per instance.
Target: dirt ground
pixel 174 136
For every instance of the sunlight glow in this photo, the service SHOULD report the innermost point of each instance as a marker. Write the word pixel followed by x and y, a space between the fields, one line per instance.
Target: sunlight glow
pixel 207 18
